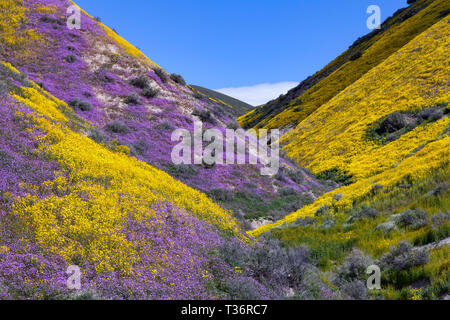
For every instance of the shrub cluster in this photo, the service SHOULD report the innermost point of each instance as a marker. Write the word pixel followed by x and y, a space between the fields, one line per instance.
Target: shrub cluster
pixel 336 175
pixel 96 135
pixel 303 222
pixel 204 115
pixel 394 125
pixel 165 125
pixel 140 82
pixel 117 127
pixel 149 92
pixel 80 105
pixel 322 211
pixel 139 147
pixel 161 74
pixel 233 125
pixel 132 99
pixel 269 263
pixel 440 219
pixel 221 195
pixel 403 257
pixel 3 88
pixel 415 219
pixel 364 212
pixel 356 56
pixel 295 175
pixel 178 79
pixel 183 171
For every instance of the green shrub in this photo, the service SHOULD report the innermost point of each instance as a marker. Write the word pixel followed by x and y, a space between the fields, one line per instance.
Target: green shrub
pixel 204 115
pixel 440 219
pixel 3 88
pixel 396 124
pixel 295 175
pixel 403 257
pixel 198 95
pixel 161 74
pixel 303 222
pixel 183 171
pixel 132 99
pixel 140 82
pixel 355 289
pixel 323 210
pixel 356 56
pixel 140 147
pixel 415 219
pixel 178 79
pixel 337 176
pixel 354 266
pixel 364 212
pixel 287 191
pixel 165 125
pixel 149 92
pixel 222 195
pixel 117 127
pixel 233 125
pixel 96 135
pixel 80 105
pixel 47 19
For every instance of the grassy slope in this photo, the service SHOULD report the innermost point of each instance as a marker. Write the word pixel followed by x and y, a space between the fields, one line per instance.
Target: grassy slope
pixel 239 106
pixel 342 72
pixel 335 134
pixel 413 170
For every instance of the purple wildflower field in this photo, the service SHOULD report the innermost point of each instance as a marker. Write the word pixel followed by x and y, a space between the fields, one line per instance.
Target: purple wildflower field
pixel 174 253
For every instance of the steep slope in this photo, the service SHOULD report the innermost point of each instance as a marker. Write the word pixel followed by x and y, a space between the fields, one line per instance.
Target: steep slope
pixel 93 207
pixel 134 103
pixel 365 54
pixel 240 107
pixel 85 144
pixel 388 134
pixel 335 136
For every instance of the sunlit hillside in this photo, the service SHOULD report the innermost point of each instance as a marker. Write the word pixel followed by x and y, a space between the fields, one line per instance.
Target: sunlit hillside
pixel 386 139
pixel 365 54
pixel 87 178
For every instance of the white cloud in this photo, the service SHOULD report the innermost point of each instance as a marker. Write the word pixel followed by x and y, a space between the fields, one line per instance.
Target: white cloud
pixel 259 94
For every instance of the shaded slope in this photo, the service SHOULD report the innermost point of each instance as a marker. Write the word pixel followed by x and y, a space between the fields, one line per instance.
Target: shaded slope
pixel 240 107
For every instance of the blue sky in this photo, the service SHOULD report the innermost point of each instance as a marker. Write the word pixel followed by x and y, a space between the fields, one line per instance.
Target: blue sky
pixel 259 49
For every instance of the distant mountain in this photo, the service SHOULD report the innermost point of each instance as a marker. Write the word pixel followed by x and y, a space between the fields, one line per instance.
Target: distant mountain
pixel 240 107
